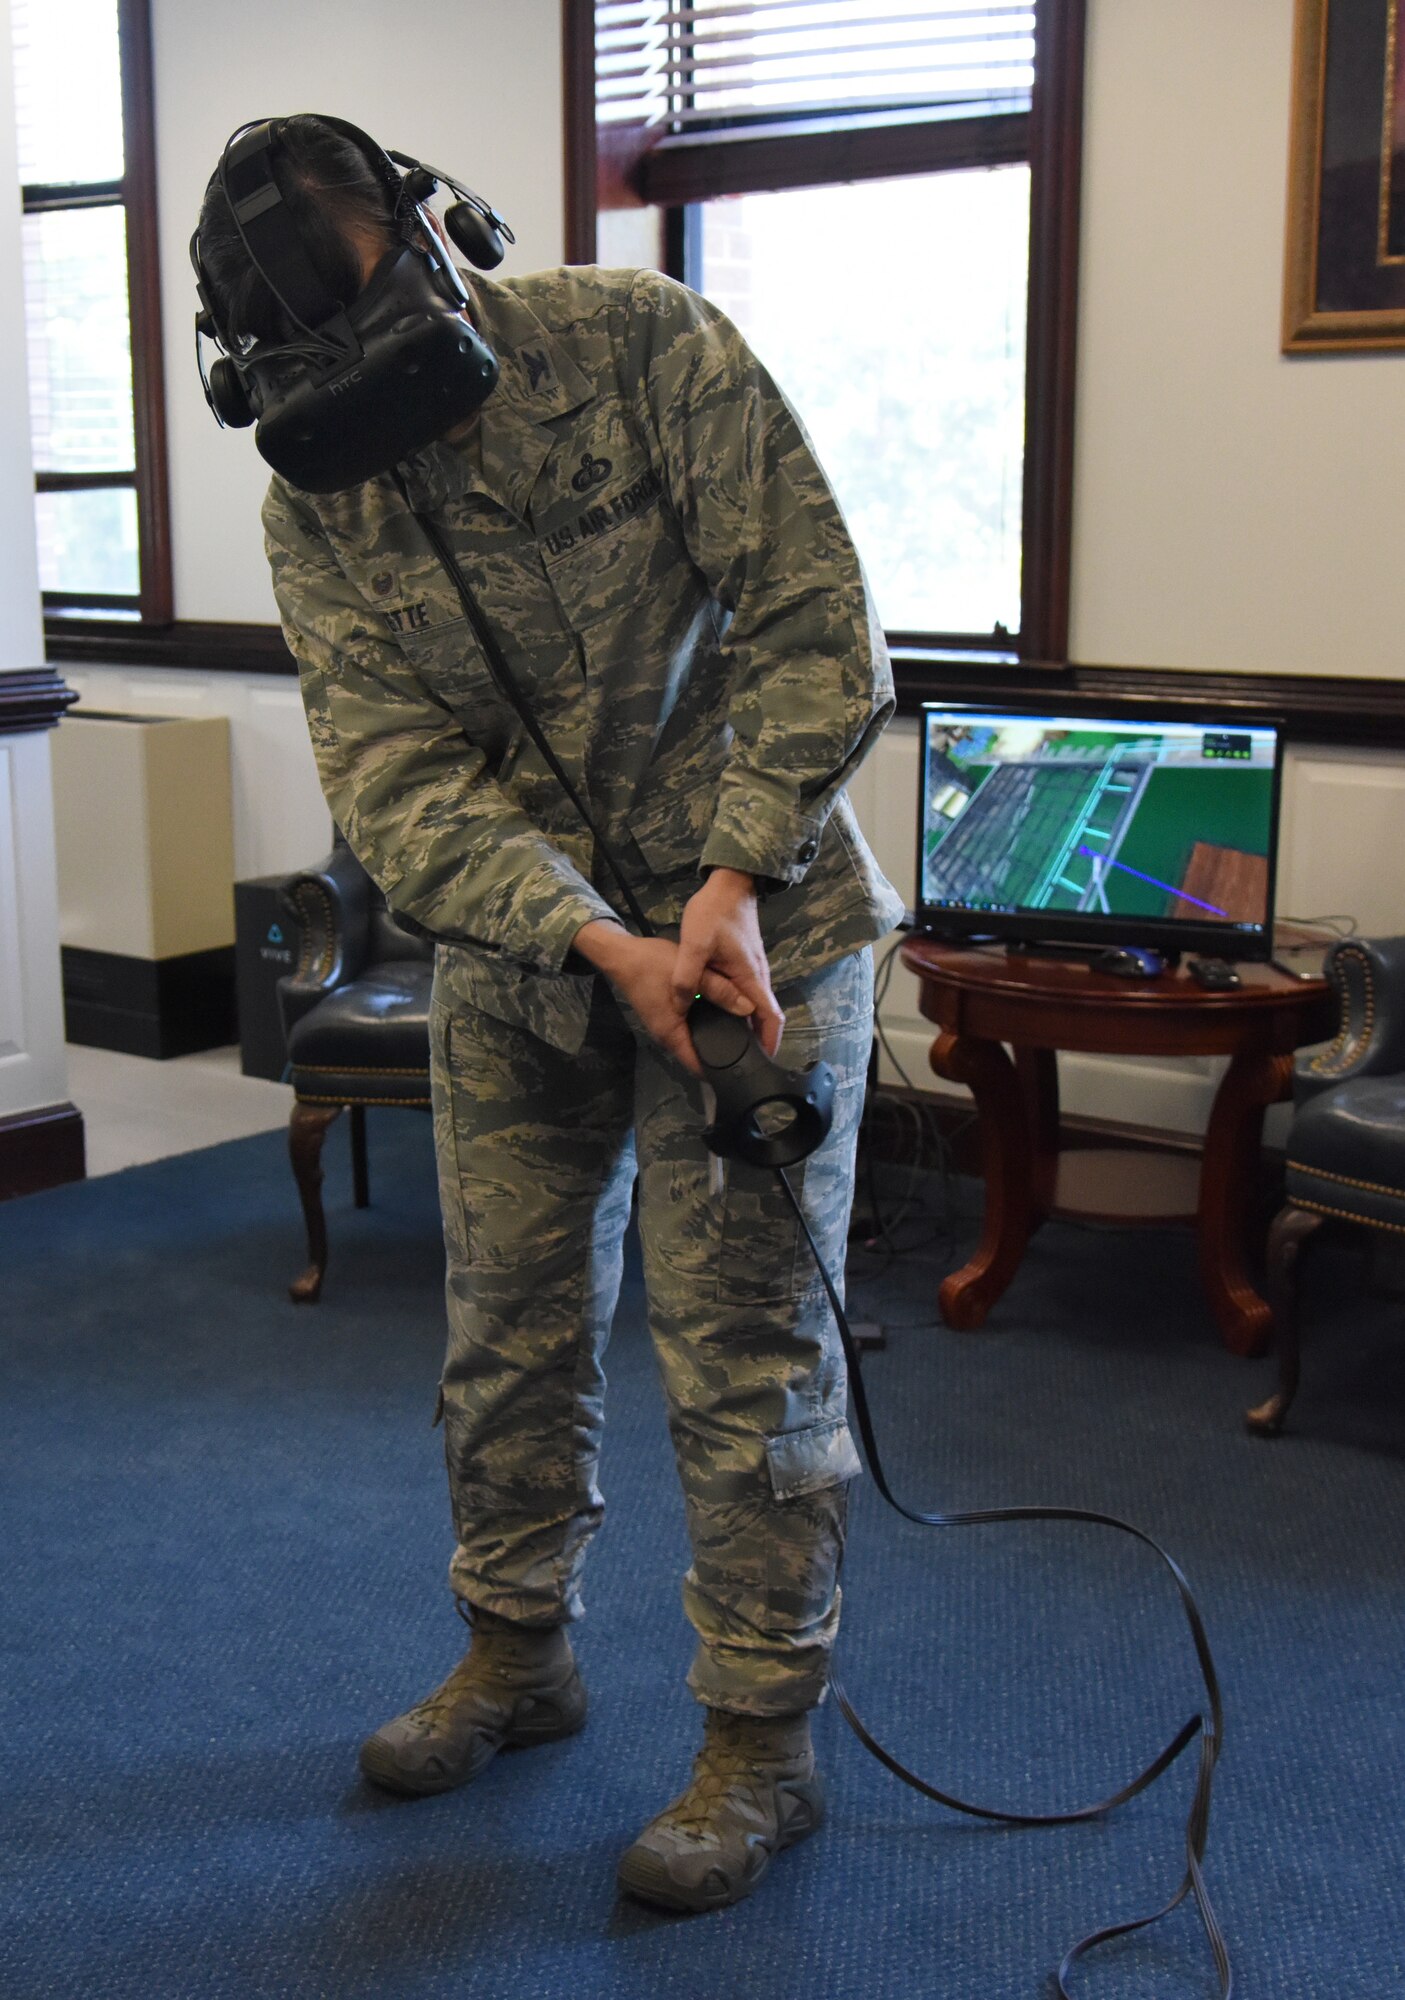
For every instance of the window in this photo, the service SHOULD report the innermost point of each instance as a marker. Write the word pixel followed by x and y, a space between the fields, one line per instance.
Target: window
pixel 91 308
pixel 912 368
pixel 883 195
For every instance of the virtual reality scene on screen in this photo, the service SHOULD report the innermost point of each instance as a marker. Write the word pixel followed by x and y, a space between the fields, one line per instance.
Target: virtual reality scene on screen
pixel 1105 819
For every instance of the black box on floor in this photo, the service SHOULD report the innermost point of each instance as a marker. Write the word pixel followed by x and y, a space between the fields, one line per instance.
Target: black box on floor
pixel 155 1007
pixel 266 943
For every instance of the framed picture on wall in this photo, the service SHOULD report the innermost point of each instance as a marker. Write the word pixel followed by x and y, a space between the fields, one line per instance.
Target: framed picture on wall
pixel 1344 277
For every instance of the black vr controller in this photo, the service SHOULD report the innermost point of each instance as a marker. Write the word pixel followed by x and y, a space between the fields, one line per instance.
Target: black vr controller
pixel 748 1084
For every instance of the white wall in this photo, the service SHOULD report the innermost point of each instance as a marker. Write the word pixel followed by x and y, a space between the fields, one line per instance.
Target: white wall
pixel 31 1009
pixel 1235 508
pixel 473 86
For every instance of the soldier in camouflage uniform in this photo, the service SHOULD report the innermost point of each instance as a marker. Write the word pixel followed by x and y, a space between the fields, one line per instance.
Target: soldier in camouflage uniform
pixel 640 515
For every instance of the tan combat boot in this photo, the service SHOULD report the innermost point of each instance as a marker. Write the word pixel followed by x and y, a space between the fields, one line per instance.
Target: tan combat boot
pixel 517 1684
pixel 754 1791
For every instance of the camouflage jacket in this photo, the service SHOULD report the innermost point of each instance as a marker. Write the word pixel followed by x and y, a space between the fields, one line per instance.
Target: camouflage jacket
pixel 641 518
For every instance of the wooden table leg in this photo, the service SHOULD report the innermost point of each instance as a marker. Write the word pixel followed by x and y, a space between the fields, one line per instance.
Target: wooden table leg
pixel 1007 1164
pixel 1038 1071
pixel 1229 1178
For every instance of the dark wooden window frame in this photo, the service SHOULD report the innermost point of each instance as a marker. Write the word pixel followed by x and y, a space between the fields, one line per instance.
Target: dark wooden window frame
pixel 610 167
pixel 135 193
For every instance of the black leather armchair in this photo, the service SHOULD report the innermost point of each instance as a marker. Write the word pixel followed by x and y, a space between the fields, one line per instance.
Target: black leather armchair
pixel 1346 1144
pixel 356 1017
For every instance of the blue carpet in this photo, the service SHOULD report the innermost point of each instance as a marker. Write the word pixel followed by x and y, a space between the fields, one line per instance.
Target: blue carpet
pixel 224 1542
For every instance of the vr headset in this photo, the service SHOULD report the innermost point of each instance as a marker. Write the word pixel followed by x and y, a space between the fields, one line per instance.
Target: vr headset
pixel 354 388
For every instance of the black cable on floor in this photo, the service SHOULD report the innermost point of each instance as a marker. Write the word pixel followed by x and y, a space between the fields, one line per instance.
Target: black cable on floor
pixel 1209 1733
pixel 1209 1730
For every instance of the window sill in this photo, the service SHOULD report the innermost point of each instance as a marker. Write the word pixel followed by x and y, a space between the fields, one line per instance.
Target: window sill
pixel 202 646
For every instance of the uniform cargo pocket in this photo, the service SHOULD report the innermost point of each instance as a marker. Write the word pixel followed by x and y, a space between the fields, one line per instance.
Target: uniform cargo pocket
pixel 808 1461
pixel 614 580
pixel 759 1258
pixel 446 1155
pixel 671 831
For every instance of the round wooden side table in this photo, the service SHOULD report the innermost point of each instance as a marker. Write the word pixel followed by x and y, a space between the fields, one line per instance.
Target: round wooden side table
pixel 982 998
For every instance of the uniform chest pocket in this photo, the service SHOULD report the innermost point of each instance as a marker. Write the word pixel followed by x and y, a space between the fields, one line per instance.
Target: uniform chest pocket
pixel 613 555
pixel 421 612
pixel 671 828
pixel 424 619
pixel 447 659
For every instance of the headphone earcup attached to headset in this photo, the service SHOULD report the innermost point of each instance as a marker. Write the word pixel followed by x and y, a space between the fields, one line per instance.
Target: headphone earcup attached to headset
pixel 475 235
pixel 229 399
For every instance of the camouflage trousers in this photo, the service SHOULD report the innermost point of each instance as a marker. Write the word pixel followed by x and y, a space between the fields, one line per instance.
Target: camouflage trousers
pixel 538 1154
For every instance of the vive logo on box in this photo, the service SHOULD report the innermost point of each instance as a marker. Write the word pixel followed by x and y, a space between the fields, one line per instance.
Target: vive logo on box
pixel 269 949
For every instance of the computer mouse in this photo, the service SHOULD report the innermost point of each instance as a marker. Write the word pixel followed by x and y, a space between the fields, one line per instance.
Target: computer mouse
pixel 1129 961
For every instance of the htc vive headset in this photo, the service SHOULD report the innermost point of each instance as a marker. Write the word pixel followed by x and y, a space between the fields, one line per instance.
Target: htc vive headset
pixel 354 388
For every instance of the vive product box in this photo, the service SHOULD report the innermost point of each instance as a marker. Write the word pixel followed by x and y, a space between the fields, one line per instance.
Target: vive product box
pixel 266 950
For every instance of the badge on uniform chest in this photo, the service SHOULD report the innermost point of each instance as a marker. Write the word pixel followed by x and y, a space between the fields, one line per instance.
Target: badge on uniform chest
pixel 600 517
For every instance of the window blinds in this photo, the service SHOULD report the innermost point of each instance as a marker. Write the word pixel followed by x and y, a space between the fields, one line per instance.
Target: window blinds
pixel 698 65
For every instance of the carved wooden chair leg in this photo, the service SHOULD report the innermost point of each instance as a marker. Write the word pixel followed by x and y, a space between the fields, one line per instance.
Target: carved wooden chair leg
pixel 360 1172
pixel 1291 1229
pixel 306 1131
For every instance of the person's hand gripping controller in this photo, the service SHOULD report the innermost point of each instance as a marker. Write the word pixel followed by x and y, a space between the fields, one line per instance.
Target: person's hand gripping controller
pixel 719 956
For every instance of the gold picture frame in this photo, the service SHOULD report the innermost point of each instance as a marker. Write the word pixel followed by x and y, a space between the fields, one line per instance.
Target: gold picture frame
pixel 1344 268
